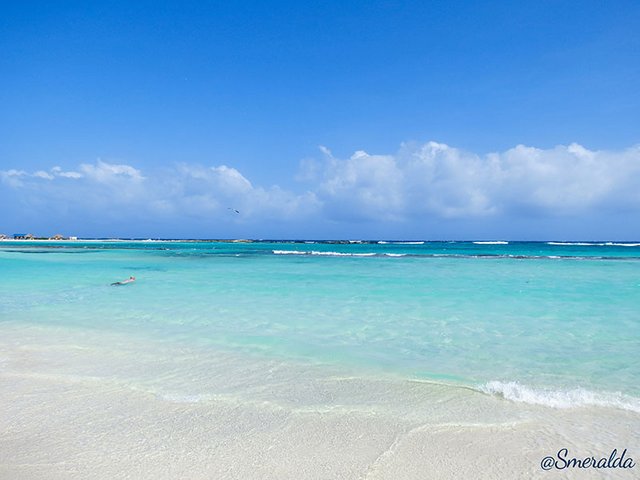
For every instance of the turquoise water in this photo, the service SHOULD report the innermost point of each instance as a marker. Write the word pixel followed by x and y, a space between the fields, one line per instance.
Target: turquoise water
pixel 552 317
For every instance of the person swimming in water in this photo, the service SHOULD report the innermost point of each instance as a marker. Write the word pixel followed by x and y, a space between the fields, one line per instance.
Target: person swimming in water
pixel 124 282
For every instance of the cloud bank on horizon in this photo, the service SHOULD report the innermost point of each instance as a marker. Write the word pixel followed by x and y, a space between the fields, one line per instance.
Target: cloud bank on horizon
pixel 420 188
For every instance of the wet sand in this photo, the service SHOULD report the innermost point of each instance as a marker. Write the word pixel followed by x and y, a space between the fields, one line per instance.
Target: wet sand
pixel 78 404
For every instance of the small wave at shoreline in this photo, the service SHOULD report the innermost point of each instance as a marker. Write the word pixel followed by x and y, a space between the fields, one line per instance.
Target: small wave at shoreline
pixel 573 398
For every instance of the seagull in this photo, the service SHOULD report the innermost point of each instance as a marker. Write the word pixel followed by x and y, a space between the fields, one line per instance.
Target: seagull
pixel 233 209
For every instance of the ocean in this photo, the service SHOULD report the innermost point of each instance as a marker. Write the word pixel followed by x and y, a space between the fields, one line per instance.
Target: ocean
pixel 547 323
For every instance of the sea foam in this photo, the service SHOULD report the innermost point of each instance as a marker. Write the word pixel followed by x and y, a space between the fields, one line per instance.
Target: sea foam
pixel 576 244
pixel 322 254
pixel 497 242
pixel 572 398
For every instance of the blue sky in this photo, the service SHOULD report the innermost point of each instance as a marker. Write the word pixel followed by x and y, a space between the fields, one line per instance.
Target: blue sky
pixel 516 120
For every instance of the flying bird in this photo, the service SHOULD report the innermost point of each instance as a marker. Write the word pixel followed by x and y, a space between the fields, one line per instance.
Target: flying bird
pixel 233 209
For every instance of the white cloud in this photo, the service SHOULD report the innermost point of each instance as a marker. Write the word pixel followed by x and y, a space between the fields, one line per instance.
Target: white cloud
pixel 16 178
pixel 104 172
pixel 12 177
pixel 418 183
pixel 363 186
pixel 57 171
pixel 184 191
pixel 43 174
pixel 447 182
pixel 195 188
pixel 435 179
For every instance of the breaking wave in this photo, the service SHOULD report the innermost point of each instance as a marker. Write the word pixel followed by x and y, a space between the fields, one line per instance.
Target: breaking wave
pixel 578 397
pixel 497 242
pixel 595 244
pixel 324 254
pixel 577 244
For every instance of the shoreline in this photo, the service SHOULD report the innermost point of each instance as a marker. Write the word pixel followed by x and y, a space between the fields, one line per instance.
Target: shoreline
pixel 127 406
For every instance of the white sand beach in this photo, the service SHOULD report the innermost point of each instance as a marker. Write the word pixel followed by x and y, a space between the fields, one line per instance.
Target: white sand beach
pixel 78 405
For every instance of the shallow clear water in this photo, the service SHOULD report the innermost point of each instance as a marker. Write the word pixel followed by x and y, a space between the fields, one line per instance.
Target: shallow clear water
pixel 553 317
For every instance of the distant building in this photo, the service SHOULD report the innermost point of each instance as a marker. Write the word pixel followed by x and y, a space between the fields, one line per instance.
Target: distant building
pixel 57 236
pixel 19 236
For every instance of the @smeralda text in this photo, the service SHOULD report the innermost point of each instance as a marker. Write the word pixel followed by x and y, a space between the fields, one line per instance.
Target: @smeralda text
pixel 563 460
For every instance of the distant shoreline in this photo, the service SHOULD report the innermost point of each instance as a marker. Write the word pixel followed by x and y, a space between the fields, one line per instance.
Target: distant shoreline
pixel 608 242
